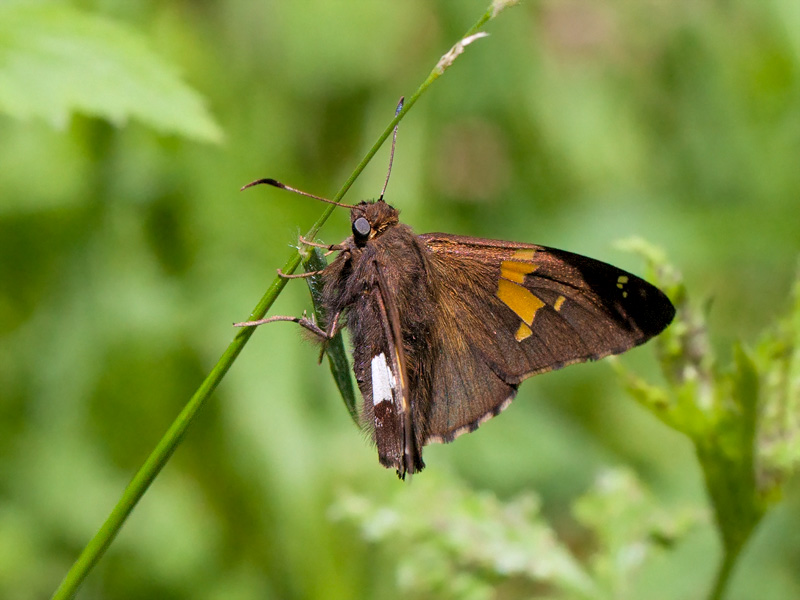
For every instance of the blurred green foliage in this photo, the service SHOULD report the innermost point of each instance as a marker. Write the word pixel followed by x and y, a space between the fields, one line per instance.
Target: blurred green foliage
pixel 469 544
pixel 739 419
pixel 127 253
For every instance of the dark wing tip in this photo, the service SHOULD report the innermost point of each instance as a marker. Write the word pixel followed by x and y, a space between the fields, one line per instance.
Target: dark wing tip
pixel 634 304
pixel 648 307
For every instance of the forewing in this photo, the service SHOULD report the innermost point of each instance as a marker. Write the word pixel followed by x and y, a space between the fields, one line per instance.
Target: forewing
pixel 508 311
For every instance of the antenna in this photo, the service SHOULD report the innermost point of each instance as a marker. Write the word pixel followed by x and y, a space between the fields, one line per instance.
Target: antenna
pixel 391 155
pixel 278 184
pixel 283 186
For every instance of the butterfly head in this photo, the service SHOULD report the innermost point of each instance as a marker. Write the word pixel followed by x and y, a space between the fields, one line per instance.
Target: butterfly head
pixel 368 220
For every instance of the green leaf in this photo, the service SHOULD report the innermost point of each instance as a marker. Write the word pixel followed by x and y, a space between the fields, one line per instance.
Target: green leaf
pixel 337 355
pixel 56 61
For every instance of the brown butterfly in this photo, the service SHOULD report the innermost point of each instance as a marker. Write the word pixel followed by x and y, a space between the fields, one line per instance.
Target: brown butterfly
pixel 444 327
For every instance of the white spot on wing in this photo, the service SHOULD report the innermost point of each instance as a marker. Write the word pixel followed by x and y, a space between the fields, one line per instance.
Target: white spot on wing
pixel 383 382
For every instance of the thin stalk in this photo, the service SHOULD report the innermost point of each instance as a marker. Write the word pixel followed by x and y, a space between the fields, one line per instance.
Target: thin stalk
pixel 724 573
pixel 141 481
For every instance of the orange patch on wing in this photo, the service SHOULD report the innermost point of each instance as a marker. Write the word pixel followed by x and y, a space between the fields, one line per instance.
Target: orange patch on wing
pixel 520 300
pixel 516 271
pixel 559 303
pixel 523 332
pixel 524 254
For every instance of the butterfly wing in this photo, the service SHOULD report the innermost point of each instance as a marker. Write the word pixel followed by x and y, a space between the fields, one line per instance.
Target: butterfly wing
pixel 508 311
pixel 381 365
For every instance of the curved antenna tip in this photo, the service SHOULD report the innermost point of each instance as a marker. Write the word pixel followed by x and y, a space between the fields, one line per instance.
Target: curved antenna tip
pixel 283 186
pixel 261 181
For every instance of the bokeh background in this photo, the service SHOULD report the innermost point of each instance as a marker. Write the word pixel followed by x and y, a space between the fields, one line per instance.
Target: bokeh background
pixel 127 252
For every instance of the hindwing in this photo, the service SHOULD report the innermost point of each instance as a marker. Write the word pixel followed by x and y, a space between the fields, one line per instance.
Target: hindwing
pixel 507 311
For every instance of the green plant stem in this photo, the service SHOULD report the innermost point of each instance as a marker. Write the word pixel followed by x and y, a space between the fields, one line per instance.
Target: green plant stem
pixel 169 442
pixel 724 573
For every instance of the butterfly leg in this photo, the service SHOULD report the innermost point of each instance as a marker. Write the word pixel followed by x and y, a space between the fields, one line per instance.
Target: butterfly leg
pixel 309 323
pixel 330 332
pixel 328 247
pixel 299 275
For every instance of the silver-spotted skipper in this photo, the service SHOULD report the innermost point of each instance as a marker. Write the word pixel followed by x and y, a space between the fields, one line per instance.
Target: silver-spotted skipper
pixel 445 327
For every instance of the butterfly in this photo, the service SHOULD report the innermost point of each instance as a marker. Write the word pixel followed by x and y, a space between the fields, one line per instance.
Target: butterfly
pixel 445 327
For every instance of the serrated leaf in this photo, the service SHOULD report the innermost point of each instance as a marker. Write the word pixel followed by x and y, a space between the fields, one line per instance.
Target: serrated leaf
pixel 56 61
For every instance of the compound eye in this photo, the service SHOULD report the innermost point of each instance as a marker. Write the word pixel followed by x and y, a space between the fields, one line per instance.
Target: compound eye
pixel 361 228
